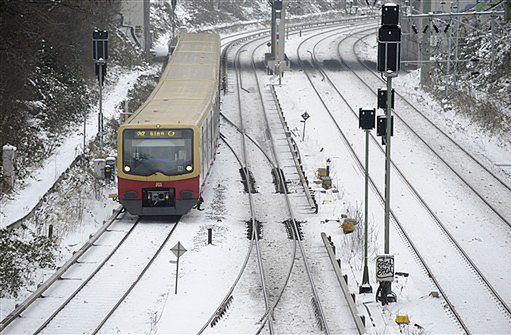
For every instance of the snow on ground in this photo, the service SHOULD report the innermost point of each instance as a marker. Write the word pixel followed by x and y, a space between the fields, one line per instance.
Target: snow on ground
pixel 493 149
pixel 207 271
pixel 22 200
pixel 322 142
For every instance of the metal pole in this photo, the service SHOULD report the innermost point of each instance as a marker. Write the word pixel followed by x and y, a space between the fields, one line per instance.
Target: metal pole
pixel 177 269
pixel 173 22
pixel 456 45
pixel 425 49
pixel 492 23
pixel 303 133
pixel 84 130
pixel 448 70
pixel 365 276
pixel 387 162
pixel 100 117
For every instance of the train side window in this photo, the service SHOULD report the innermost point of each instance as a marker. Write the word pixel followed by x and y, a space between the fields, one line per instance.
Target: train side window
pixel 203 162
pixel 212 140
pixel 208 140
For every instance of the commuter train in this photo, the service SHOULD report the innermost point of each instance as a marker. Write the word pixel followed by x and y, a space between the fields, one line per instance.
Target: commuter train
pixel 166 148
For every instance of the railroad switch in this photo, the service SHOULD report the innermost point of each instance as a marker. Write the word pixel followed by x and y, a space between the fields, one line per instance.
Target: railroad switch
pixel 247 178
pixel 250 229
pixel 279 180
pixel 290 229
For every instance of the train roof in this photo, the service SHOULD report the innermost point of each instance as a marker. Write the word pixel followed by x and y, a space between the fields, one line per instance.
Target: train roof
pixel 186 90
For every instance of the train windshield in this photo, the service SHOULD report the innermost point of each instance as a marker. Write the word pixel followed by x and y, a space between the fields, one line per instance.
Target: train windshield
pixel 148 151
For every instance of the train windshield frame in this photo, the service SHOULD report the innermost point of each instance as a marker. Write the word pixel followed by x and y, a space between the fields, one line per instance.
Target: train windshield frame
pixel 149 151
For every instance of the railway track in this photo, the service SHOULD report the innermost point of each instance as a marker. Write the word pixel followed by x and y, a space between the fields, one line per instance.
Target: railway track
pixel 58 318
pixel 490 181
pixel 463 257
pixel 293 222
pixel 245 167
pixel 90 285
pixel 272 163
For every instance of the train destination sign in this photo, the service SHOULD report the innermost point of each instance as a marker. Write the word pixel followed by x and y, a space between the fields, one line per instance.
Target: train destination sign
pixel 157 133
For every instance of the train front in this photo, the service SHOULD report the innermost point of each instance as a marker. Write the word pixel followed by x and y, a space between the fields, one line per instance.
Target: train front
pixel 158 169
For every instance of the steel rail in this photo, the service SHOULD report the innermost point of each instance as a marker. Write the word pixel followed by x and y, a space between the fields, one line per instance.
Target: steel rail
pixel 435 217
pixel 88 279
pixel 224 52
pixel 246 162
pixel 288 203
pixel 288 276
pixel 295 228
pixel 36 294
pixel 60 271
pixel 254 238
pixel 269 312
pixel 395 220
pixel 139 277
pixel 247 257
pixel 254 142
pixel 469 155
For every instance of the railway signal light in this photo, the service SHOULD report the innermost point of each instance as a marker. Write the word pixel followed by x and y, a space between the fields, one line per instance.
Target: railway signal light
pixel 389 39
pixel 381 128
pixel 390 15
pixel 366 118
pixel 382 99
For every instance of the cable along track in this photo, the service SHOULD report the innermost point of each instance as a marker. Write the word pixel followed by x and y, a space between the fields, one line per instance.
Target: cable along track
pixel 396 222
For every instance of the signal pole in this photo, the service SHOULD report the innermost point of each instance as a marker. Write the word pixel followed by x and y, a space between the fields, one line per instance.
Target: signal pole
pixel 366 122
pixel 276 60
pixel 389 49
pixel 100 56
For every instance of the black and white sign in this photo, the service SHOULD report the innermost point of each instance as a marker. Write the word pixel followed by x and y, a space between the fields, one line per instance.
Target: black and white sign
pixel 178 250
pixel 385 267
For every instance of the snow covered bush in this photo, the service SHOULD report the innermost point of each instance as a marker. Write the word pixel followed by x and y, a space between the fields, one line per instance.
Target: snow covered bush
pixel 19 258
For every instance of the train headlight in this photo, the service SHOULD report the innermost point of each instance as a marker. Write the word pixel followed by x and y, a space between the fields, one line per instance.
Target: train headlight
pixel 127 168
pixel 189 168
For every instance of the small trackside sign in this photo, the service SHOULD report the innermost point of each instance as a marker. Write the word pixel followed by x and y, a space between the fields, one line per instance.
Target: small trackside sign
pixel 385 268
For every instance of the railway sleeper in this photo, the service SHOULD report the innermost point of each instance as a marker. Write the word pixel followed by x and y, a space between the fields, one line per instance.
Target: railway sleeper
pixel 279 180
pixel 290 231
pixel 250 185
pixel 317 314
pixel 220 312
pixel 250 229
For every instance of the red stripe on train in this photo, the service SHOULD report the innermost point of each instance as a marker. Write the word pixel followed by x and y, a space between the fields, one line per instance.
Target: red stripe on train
pixel 126 185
